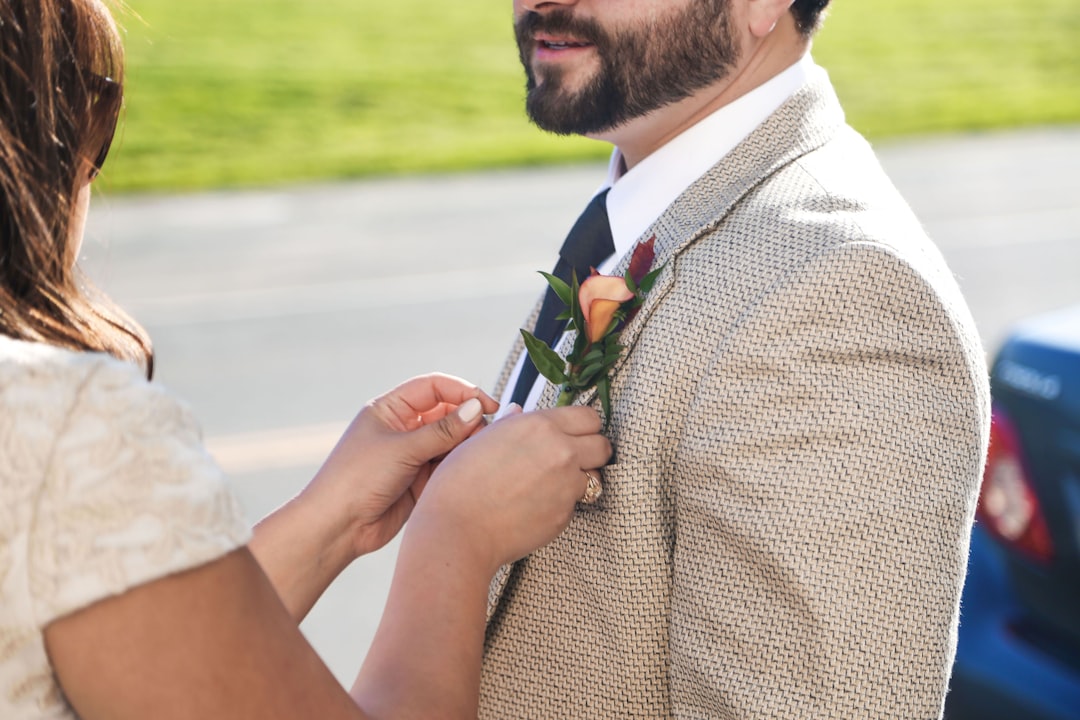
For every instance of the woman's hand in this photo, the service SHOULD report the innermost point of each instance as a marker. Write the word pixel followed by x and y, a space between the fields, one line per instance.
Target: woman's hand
pixel 501 494
pixel 380 465
pixel 512 487
pixel 368 486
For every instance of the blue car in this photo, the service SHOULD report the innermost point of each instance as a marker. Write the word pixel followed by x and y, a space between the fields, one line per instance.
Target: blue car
pixel 1018 655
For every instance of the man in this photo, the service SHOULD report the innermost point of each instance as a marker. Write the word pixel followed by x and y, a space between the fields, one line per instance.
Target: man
pixel 800 419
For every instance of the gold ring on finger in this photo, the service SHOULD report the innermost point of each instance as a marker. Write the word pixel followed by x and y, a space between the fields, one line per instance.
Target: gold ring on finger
pixel 593 490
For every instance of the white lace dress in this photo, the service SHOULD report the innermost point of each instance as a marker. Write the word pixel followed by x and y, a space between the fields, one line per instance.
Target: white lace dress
pixel 104 485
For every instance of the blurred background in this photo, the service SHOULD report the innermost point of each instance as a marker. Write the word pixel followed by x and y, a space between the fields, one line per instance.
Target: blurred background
pixel 309 202
pixel 258 92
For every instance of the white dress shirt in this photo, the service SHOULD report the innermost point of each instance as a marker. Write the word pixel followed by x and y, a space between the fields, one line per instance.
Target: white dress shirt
pixel 639 196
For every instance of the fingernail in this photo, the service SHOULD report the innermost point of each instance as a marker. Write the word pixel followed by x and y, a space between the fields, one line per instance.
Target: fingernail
pixel 507 410
pixel 469 410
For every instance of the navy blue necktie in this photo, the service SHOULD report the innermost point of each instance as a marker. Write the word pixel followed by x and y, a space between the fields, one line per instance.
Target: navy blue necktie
pixel 588 244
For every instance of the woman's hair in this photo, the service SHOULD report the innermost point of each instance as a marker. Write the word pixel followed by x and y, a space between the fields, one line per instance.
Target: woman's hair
pixel 61 75
pixel 808 15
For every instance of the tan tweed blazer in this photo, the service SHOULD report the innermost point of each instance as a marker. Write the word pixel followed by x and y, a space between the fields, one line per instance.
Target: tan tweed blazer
pixel 800 426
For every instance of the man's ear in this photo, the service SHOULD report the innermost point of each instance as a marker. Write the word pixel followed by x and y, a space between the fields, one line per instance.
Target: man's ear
pixel 764 14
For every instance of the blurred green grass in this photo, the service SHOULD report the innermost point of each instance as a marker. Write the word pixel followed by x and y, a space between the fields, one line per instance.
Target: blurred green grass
pixel 260 92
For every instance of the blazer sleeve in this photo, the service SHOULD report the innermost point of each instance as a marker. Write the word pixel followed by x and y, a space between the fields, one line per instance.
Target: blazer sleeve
pixel 825 488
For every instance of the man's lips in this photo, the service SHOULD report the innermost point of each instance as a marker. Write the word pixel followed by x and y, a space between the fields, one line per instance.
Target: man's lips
pixel 551 46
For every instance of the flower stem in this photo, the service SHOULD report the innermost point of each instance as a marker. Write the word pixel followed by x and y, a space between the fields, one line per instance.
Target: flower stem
pixel 566 397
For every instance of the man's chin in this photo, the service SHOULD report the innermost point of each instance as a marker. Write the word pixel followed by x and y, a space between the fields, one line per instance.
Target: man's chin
pixel 568 123
pixel 567 78
pixel 555 110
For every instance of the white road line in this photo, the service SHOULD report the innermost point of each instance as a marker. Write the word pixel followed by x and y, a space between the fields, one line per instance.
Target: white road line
pixel 361 294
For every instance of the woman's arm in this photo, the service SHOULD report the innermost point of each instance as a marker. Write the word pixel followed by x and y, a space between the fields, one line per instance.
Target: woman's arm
pixel 479 512
pixel 213 642
pixel 367 487
pixel 217 641
pixel 302 551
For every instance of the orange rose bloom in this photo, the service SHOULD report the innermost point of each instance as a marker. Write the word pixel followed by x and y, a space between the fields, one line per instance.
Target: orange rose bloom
pixel 600 297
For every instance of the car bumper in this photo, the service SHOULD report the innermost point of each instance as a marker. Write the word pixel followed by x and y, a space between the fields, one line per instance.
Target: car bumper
pixel 998 673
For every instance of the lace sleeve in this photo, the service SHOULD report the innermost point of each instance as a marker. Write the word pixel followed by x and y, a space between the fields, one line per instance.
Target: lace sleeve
pixel 130 495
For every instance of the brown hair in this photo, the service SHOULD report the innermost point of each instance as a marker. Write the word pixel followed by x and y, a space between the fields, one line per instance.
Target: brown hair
pixel 61 74
pixel 808 15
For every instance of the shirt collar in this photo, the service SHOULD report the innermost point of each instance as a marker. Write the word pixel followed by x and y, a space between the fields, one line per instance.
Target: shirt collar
pixel 638 197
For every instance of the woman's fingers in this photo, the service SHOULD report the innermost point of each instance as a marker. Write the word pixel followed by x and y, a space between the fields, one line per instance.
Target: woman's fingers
pixel 582 426
pixel 425 392
pixel 576 420
pixel 595 450
pixel 437 413
pixel 437 438
pixel 514 486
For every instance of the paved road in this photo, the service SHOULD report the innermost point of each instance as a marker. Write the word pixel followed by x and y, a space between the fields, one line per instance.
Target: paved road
pixel 278 313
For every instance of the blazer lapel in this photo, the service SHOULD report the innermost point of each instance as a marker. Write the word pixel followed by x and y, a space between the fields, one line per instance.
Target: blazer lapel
pixel 804 123
pixel 807 120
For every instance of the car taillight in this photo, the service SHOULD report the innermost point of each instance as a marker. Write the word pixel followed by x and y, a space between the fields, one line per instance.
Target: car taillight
pixel 1007 503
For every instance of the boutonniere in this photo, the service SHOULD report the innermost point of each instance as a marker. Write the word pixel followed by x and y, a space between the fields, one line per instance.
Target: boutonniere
pixel 598 309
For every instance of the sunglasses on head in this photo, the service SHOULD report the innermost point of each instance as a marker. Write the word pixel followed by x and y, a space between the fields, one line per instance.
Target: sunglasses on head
pixel 104 95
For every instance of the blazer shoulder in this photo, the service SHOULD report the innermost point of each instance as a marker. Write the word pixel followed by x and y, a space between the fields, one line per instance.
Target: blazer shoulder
pixel 836 194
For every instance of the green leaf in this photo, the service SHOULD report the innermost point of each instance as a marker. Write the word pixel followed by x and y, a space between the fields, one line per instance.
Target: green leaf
pixel 649 280
pixel 577 383
pixel 546 360
pixel 595 355
pixel 603 388
pixel 589 373
pixel 578 321
pixel 576 312
pixel 560 287
pixel 612 352
pixel 581 345
pixel 630 284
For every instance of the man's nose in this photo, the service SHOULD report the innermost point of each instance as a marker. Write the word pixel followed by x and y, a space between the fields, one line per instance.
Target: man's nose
pixel 541 5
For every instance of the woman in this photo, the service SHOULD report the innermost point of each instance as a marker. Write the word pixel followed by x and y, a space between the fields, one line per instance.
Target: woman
pixel 130 586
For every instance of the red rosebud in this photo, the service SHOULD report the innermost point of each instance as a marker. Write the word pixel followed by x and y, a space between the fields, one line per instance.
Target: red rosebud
pixel 642 259
pixel 600 297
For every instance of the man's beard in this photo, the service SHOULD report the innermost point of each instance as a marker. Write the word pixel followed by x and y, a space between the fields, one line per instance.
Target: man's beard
pixel 641 68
